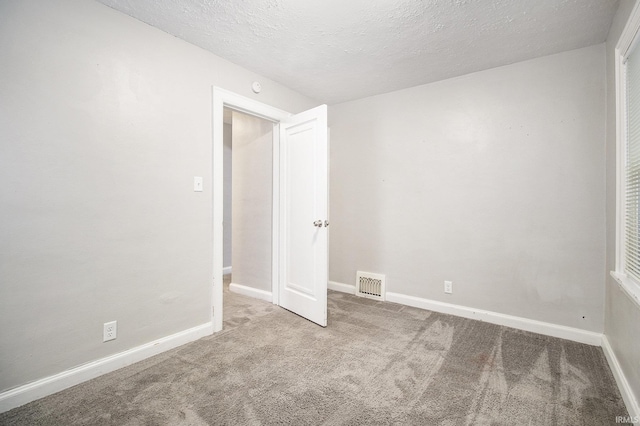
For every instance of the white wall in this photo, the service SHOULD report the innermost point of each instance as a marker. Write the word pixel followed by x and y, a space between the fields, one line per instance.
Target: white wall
pixel 493 180
pixel 622 315
pixel 228 198
pixel 252 201
pixel 104 121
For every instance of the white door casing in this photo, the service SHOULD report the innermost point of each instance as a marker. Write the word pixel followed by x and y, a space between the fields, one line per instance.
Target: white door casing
pixel 306 297
pixel 304 214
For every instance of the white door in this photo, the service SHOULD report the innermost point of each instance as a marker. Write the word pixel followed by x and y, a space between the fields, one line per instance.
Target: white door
pixel 304 214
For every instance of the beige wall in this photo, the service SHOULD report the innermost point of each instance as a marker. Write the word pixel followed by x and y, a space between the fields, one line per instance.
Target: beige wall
pixel 493 180
pixel 252 201
pixel 104 121
pixel 622 314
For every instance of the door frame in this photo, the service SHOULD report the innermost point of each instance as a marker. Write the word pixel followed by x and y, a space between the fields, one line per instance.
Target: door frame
pixel 223 98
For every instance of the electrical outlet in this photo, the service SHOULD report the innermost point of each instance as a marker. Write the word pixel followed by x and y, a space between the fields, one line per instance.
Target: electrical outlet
pixel 448 287
pixel 110 331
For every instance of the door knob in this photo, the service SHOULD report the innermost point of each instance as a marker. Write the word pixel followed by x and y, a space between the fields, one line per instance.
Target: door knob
pixel 326 223
pixel 317 223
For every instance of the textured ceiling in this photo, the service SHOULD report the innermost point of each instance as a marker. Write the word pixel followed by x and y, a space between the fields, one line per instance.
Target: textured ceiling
pixel 339 50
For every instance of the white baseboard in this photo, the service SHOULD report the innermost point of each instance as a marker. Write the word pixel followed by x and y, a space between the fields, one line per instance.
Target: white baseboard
pixel 344 288
pixel 40 388
pixel 561 331
pixel 630 400
pixel 226 270
pixel 251 292
pixel 549 329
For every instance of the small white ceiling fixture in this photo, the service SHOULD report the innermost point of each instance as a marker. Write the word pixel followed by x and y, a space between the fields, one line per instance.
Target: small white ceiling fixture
pixel 336 50
pixel 256 87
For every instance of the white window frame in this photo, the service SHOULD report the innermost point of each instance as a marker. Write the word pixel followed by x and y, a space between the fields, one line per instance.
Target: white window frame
pixel 628 41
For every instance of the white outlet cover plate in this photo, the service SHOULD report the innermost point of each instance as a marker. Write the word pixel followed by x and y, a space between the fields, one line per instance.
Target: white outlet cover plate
pixel 110 331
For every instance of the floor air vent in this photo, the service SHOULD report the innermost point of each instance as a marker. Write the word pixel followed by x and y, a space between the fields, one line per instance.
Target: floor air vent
pixel 370 285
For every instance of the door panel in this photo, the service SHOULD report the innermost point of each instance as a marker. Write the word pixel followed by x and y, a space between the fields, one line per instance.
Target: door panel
pixel 303 279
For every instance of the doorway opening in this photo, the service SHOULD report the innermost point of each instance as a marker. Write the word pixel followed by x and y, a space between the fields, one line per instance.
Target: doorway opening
pixel 299 207
pixel 224 99
pixel 248 205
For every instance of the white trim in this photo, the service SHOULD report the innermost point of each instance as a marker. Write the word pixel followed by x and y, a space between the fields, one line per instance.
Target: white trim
pixel 275 216
pixel 251 292
pixel 549 329
pixel 282 211
pixel 630 400
pixel 220 99
pixel 626 43
pixel 628 39
pixel 621 114
pixel 40 388
pixel 226 270
pixel 344 288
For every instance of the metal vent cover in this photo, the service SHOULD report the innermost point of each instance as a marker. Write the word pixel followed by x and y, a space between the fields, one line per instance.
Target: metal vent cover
pixel 370 285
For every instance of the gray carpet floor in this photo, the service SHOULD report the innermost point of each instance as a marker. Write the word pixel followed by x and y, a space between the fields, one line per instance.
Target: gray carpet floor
pixel 375 364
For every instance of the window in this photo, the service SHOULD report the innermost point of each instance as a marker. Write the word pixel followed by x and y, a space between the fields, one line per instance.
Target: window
pixel 628 147
pixel 632 165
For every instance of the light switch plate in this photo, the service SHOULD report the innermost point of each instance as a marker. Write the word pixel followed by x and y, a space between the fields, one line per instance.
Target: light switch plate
pixel 197 183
